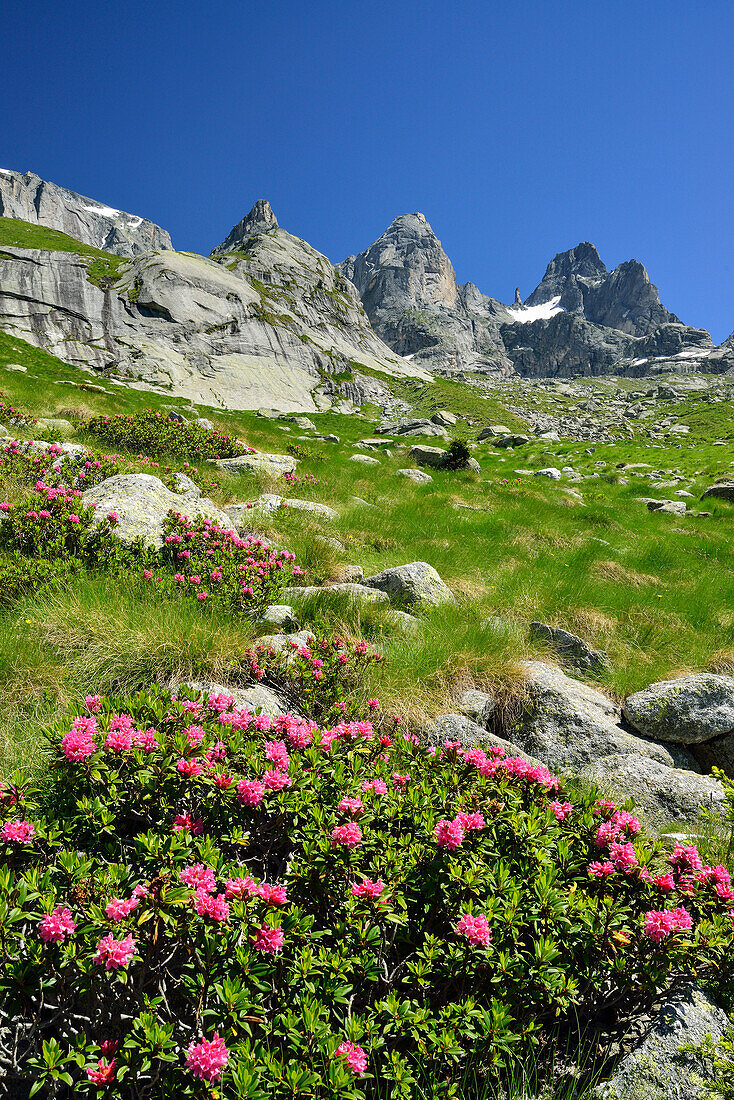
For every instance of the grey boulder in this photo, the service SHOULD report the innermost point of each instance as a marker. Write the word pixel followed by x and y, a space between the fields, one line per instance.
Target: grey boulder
pixel 269 464
pixel 459 727
pixel 142 502
pixel 420 477
pixel 724 491
pixel 570 647
pixel 687 710
pixel 244 698
pixel 568 724
pixel 357 591
pixel 656 1068
pixel 416 584
pixel 666 795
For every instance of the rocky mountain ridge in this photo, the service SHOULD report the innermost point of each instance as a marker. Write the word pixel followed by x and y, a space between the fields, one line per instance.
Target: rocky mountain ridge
pixel 34 200
pixel 580 320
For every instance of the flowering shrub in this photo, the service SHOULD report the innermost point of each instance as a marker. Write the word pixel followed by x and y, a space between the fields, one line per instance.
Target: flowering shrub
pixel 199 896
pixel 154 433
pixel 56 525
pixel 16 416
pixel 54 466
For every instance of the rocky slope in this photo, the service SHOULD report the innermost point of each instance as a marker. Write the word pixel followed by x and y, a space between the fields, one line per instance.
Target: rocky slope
pixel 32 199
pixel 580 320
pixel 263 328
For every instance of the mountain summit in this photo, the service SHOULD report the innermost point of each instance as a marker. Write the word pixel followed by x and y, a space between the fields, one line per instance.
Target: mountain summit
pixel 261 219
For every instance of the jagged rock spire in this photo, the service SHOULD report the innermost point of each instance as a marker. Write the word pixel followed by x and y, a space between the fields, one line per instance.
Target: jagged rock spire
pixel 261 219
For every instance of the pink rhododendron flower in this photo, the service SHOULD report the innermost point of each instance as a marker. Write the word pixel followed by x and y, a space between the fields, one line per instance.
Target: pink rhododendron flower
pixel 207 1059
pixel 93 703
pixel 250 792
pixel 119 740
pixel 561 809
pixel 276 780
pixel 269 940
pixel 78 744
pixel 104 1074
pixel 659 924
pixel 355 1056
pixel 194 735
pixel 470 822
pixel 277 753
pixel 351 806
pixel 273 895
pixel 377 785
pixel 189 768
pixel 108 1047
pixel 400 781
pixel 348 835
pixel 56 926
pixel 476 929
pixel 367 888
pixel 198 877
pixel 686 858
pixel 187 823
pixel 17 832
pixel 664 883
pixel 112 953
pixel 623 856
pixel 449 834
pixel 240 888
pixel 211 906
pixel 599 870
pixel 119 908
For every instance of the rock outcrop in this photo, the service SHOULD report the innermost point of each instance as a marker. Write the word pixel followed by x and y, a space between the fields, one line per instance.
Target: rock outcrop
pixel 32 199
pixel 580 320
pixel 265 328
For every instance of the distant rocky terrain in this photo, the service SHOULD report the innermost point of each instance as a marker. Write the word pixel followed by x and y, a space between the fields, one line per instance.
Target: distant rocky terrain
pixel 267 321
pixel 580 320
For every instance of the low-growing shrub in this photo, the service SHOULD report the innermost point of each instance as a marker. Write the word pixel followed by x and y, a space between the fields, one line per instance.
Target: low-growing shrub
pixel 457 455
pixel 156 434
pixel 8 413
pixel 19 574
pixel 199 900
pixel 54 466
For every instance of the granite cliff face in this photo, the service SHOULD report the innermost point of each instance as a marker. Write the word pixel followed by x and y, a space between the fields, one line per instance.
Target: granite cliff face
pixel 32 199
pixel 580 320
pixel 265 327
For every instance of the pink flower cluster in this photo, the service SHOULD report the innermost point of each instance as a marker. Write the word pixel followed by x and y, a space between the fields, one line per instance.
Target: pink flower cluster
pixel 476 929
pixel 112 953
pixel 349 835
pixel 450 834
pixel 355 1057
pixel 207 1059
pixel 56 926
pixel 368 889
pixel 659 924
pixel 17 832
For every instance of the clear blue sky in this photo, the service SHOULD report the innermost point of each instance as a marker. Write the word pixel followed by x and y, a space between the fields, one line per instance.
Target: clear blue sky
pixel 518 128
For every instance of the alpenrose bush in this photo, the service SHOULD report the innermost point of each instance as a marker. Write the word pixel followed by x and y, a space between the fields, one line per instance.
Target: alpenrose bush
pixel 198 561
pixel 197 901
pixel 154 433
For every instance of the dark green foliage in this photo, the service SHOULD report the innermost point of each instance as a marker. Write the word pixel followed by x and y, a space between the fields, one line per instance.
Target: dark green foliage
pixel 152 433
pixel 457 455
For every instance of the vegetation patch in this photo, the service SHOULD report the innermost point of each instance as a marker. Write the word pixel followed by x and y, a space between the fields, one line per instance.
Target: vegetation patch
pixel 154 433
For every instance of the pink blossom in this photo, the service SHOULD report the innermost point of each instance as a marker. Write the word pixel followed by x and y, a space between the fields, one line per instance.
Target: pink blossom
pixel 367 888
pixel 120 740
pixel 104 1074
pixel 17 832
pixel 348 835
pixel 351 806
pixel 400 781
pixel 240 888
pixel 355 1056
pixel 623 856
pixel 56 926
pixel 250 792
pixel 207 905
pixel 276 780
pixel 476 929
pixel 189 768
pixel 659 924
pixel 664 883
pixel 187 823
pixel 273 895
pixel 470 822
pixel 112 953
pixel 606 833
pixel 599 870
pixel 119 908
pixel 207 1059
pixel 561 809
pixel 269 940
pixel 686 858
pixel 77 744
pixel 93 703
pixel 194 735
pixel 377 785
pixel 449 834
pixel 277 753
pixel 198 877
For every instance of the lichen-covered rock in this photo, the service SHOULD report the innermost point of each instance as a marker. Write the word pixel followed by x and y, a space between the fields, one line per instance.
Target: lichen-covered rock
pixel 656 1068
pixel 568 724
pixel 687 710
pixel 459 727
pixel 666 795
pixel 142 502
pixel 420 477
pixel 414 585
pixel 269 464
pixel 366 460
pixel 357 591
pixel 570 647
pixel 185 487
pixel 270 503
pixel 428 456
pixel 279 614
pixel 478 705
pixel 723 491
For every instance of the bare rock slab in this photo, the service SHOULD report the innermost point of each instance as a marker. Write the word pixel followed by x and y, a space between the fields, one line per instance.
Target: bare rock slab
pixel 414 585
pixel 687 710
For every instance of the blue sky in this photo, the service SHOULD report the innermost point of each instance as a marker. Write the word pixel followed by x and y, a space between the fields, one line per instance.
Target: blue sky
pixel 518 128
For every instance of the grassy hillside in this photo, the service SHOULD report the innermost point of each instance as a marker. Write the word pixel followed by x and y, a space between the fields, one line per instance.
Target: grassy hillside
pixel 655 591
